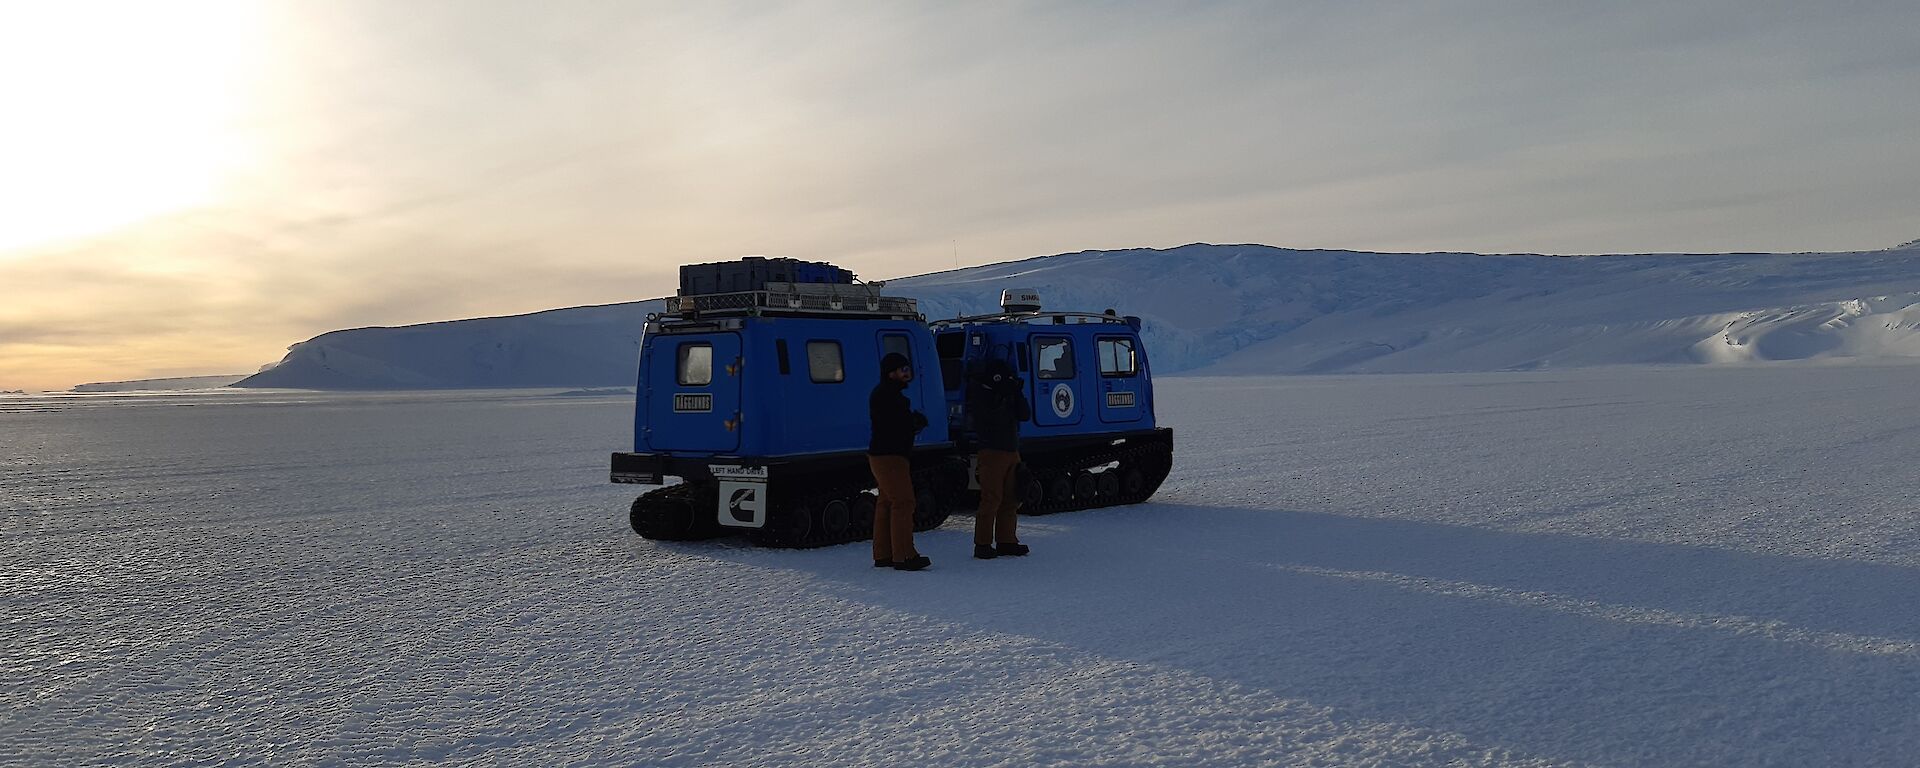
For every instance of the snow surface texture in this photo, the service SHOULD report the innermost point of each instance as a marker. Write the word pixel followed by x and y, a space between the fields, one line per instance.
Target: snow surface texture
pixel 1254 309
pixel 1651 566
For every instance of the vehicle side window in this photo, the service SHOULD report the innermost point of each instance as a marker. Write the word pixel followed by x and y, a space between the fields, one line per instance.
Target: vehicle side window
pixel 896 342
pixel 1116 357
pixel 1053 358
pixel 824 365
pixel 952 349
pixel 696 364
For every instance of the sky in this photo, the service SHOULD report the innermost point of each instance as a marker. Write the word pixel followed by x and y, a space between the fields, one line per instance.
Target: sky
pixel 188 187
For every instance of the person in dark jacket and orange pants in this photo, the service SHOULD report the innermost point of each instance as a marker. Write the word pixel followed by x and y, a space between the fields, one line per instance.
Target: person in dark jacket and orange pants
pixel 998 407
pixel 894 425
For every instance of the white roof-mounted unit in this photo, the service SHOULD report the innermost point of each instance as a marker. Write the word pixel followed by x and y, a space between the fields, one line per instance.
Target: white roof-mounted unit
pixel 1020 300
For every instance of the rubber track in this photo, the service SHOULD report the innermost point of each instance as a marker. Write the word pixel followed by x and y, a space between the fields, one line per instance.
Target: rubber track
pixel 662 505
pixel 1154 459
pixel 812 505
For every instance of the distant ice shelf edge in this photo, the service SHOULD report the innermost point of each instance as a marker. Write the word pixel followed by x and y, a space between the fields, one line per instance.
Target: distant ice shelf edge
pixel 1252 309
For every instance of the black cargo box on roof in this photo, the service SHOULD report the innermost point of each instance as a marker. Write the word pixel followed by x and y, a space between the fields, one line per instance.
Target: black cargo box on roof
pixel 754 272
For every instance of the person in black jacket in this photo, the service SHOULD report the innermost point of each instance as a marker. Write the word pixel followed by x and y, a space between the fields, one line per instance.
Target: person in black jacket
pixel 894 425
pixel 998 406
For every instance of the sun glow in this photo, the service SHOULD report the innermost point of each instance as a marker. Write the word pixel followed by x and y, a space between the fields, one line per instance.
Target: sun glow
pixel 111 113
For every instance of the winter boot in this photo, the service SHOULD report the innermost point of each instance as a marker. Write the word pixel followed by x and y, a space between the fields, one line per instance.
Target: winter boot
pixel 917 563
pixel 1011 550
pixel 984 552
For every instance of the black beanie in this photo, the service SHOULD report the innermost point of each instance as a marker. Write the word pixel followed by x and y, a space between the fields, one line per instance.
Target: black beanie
pixel 892 362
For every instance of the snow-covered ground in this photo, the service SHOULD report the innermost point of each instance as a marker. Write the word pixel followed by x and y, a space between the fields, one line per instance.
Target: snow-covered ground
pixel 1616 566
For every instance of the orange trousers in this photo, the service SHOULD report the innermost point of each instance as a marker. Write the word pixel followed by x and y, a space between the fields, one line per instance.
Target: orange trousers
pixel 999 513
pixel 893 512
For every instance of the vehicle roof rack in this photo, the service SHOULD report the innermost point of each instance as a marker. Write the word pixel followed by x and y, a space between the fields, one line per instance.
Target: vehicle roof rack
pixel 1056 318
pixel 796 299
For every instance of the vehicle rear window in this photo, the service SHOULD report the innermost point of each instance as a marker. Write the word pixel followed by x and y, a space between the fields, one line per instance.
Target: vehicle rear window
pixel 896 343
pixel 1116 357
pixel 696 364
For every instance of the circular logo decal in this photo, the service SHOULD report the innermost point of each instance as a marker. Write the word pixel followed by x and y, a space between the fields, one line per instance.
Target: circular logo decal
pixel 1062 400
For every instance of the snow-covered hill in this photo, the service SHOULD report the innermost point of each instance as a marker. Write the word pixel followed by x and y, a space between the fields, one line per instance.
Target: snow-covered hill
pixel 1258 309
pixel 157 385
pixel 582 346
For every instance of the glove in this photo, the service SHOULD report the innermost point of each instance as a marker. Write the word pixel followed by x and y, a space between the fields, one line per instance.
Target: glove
pixel 919 421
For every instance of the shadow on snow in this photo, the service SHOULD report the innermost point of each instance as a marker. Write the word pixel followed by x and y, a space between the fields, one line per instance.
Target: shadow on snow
pixel 1572 648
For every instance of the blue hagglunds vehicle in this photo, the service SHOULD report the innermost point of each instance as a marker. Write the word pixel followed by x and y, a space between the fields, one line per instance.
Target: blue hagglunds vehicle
pixel 753 391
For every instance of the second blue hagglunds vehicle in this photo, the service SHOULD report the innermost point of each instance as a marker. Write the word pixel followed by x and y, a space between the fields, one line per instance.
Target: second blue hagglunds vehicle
pixel 753 391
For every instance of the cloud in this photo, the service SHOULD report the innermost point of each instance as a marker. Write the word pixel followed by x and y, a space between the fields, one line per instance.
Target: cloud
pixel 429 160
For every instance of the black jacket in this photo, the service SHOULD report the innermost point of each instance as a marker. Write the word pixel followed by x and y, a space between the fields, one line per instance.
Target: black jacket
pixel 894 420
pixel 997 409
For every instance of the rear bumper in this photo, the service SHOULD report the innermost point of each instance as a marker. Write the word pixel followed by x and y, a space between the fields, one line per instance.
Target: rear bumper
pixel 644 468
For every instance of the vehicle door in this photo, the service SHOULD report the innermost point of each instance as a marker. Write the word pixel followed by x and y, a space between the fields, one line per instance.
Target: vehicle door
pixel 926 391
pixel 693 393
pixel 1056 392
pixel 1122 397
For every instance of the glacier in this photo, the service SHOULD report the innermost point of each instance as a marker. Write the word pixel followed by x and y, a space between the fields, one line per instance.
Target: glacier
pixel 1254 309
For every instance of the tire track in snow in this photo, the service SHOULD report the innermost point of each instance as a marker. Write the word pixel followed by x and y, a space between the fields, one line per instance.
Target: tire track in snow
pixel 1738 625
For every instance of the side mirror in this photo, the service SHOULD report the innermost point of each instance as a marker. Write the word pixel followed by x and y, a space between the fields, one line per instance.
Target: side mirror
pixel 1133 321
